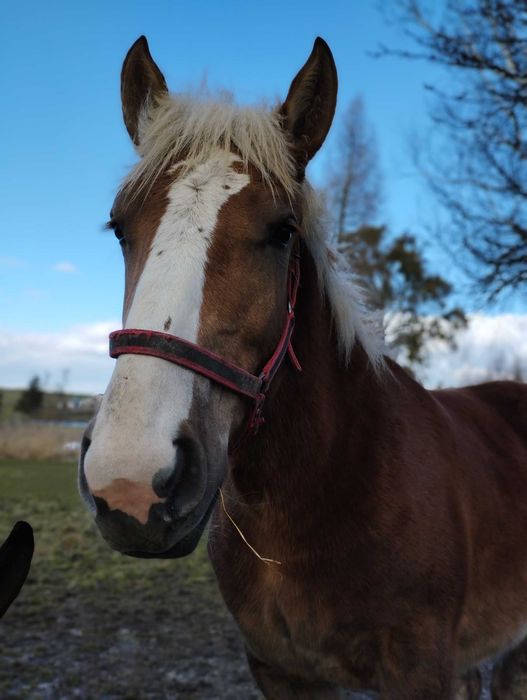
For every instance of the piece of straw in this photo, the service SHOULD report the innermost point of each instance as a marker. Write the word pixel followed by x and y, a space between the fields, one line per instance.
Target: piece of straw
pixel 253 550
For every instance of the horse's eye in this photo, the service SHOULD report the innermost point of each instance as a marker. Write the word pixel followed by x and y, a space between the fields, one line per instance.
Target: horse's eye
pixel 119 234
pixel 114 226
pixel 281 235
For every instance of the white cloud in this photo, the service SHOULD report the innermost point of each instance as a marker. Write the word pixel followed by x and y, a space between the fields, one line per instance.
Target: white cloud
pixel 83 350
pixel 492 347
pixel 65 266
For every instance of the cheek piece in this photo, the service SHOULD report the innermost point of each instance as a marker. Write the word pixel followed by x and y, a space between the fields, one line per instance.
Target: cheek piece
pixel 134 341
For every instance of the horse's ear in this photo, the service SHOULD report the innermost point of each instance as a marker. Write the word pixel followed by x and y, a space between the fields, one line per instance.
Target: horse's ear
pixel 310 104
pixel 141 82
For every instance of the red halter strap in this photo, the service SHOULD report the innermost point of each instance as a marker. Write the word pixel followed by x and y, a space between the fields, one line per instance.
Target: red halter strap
pixel 216 368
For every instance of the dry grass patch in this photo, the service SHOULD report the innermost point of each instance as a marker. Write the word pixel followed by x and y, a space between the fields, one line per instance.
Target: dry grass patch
pixel 35 440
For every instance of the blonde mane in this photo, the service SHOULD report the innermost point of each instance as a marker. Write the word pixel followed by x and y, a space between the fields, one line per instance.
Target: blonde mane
pixel 352 319
pixel 196 127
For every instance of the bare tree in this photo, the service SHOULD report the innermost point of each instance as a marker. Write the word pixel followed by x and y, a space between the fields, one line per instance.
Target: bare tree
pixel 354 190
pixel 61 401
pixel 393 269
pixel 479 171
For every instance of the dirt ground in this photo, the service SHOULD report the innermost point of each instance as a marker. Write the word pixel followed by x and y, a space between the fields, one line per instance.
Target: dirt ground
pixel 93 625
pixel 119 649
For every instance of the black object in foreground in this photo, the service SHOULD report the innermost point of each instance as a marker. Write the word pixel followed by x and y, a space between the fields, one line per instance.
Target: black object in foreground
pixel 15 561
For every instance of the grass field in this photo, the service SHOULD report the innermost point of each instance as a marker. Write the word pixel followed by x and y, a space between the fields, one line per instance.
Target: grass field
pixel 91 623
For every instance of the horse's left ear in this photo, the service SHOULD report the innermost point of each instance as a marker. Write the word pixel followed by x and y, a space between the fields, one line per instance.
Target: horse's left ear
pixel 310 104
pixel 141 82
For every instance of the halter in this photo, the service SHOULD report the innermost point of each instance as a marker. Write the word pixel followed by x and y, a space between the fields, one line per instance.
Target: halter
pixel 132 341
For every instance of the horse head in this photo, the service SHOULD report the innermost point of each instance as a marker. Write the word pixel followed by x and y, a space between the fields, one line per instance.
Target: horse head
pixel 209 222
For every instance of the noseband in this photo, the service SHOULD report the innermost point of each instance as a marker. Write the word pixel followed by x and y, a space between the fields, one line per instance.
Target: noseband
pixel 132 341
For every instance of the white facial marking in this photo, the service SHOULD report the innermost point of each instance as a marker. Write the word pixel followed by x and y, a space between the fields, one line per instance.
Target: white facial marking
pixel 148 398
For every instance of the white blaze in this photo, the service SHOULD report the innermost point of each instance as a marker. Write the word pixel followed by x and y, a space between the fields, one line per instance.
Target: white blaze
pixel 147 397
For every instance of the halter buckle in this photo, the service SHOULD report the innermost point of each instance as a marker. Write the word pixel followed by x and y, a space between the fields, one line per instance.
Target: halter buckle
pixel 257 419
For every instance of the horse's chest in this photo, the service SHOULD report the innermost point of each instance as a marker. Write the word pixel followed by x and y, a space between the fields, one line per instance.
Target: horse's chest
pixel 307 639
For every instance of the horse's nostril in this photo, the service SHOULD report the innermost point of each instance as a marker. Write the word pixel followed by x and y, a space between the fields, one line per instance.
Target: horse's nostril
pixel 85 444
pixel 183 484
pixel 165 480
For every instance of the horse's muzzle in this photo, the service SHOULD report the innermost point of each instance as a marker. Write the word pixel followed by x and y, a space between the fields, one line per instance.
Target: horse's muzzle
pixel 154 540
pixel 164 518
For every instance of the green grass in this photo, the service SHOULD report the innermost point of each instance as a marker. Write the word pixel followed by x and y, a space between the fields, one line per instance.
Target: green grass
pixel 45 494
pixel 91 618
pixel 28 480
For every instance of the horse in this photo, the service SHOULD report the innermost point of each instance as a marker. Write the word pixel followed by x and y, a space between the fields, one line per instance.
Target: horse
pixel 15 561
pixel 365 532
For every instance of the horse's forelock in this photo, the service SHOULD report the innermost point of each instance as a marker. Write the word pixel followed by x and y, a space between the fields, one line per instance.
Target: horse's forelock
pixel 187 130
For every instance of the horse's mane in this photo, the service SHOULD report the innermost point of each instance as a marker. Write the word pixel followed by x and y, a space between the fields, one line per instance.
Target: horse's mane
pixel 352 318
pixel 196 126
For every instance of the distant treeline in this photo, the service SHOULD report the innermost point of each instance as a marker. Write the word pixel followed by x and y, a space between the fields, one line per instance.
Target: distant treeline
pixel 38 404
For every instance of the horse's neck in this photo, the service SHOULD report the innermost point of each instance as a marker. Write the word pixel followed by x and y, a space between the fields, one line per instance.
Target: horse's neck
pixel 310 415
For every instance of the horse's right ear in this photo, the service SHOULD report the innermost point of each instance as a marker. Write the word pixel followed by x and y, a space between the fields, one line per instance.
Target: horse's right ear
pixel 141 83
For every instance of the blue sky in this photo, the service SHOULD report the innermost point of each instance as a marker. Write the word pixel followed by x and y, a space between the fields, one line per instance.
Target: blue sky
pixel 65 149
